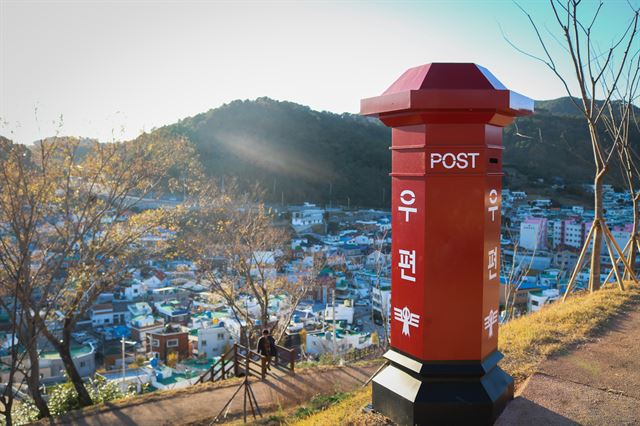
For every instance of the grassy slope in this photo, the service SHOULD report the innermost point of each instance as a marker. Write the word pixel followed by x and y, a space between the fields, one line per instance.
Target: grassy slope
pixel 525 342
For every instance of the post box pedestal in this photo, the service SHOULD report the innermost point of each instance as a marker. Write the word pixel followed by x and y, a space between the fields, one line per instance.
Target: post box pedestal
pixel 444 393
pixel 446 179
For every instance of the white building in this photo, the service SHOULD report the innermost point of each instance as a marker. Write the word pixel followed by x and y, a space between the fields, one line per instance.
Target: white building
pixel 577 209
pixel 344 312
pixel 140 308
pixel 321 343
pixel 52 368
pixel 153 282
pixel 306 216
pixel 569 232
pixel 621 234
pixel 533 233
pixel 211 341
pixel 134 291
pixel 101 315
pixel 537 299
pixel 377 260
pixel 381 301
pixel 360 240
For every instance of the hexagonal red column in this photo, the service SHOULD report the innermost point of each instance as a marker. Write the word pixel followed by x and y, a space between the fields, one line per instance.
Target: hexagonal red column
pixel 447 124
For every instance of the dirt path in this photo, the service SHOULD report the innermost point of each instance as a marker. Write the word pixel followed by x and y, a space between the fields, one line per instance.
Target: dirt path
pixel 183 407
pixel 595 384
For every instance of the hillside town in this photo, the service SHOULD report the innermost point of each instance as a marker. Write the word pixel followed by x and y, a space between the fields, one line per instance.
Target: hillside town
pixel 164 327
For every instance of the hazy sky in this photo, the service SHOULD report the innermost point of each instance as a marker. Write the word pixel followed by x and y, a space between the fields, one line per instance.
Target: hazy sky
pixel 116 68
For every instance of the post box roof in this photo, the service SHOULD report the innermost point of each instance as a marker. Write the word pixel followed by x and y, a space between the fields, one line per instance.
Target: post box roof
pixel 443 76
pixel 440 87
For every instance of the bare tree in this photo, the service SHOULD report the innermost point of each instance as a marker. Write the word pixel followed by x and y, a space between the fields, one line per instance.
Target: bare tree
pixel 380 267
pixel 81 228
pixel 21 214
pixel 13 362
pixel 518 273
pixel 597 74
pixel 307 278
pixel 618 123
pixel 234 225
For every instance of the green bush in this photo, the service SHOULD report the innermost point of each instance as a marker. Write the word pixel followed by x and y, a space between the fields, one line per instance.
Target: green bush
pixel 303 412
pixel 328 359
pixel 23 412
pixel 319 403
pixel 64 398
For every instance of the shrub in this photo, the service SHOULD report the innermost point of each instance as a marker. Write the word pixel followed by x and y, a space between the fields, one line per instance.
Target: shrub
pixel 64 398
pixel 172 359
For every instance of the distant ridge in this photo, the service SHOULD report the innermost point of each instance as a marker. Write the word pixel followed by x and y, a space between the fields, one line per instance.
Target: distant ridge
pixel 560 106
pixel 309 154
pixel 294 151
pixel 299 154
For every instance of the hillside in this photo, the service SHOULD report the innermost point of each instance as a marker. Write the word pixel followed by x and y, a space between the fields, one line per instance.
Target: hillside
pixel 294 151
pixel 301 154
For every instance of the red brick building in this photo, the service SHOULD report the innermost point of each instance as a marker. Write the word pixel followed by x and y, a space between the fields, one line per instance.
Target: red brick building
pixel 171 339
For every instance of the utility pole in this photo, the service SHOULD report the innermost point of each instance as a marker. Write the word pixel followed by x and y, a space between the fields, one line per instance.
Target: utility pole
pixel 124 365
pixel 335 346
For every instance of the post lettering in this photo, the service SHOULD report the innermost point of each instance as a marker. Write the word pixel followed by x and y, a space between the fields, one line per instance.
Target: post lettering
pixel 450 160
pixel 407 198
pixel 493 200
pixel 407 265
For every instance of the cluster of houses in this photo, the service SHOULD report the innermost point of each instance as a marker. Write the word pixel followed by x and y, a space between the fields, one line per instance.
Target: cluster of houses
pixel 166 327
pixel 542 242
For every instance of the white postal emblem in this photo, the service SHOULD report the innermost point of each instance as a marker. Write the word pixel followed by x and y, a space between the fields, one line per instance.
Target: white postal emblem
pixel 407 319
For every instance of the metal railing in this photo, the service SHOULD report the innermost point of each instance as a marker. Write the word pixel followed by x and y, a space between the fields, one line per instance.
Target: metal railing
pixel 369 351
pixel 239 360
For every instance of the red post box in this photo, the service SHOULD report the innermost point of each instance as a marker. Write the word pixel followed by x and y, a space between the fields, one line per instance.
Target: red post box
pixel 446 121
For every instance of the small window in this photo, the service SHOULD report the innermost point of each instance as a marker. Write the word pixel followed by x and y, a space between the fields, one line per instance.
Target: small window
pixel 204 343
pixel 155 343
pixel 82 364
pixel 220 336
pixel 172 343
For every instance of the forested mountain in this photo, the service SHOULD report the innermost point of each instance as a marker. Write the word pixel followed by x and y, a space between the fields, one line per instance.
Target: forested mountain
pixel 298 154
pixel 295 152
pixel 303 154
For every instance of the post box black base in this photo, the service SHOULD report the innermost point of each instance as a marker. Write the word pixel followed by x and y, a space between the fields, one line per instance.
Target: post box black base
pixel 412 392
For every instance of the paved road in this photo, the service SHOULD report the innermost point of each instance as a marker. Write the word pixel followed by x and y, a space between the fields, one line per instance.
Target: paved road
pixel 189 406
pixel 595 384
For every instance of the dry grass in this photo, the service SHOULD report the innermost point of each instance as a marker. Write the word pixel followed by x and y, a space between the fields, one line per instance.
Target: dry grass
pixel 528 340
pixel 348 412
pixel 525 342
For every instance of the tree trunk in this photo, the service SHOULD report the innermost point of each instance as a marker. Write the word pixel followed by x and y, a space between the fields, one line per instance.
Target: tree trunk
pixel 633 252
pixel 64 348
pixel 33 381
pixel 30 341
pixel 265 314
pixel 8 404
pixel 594 276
